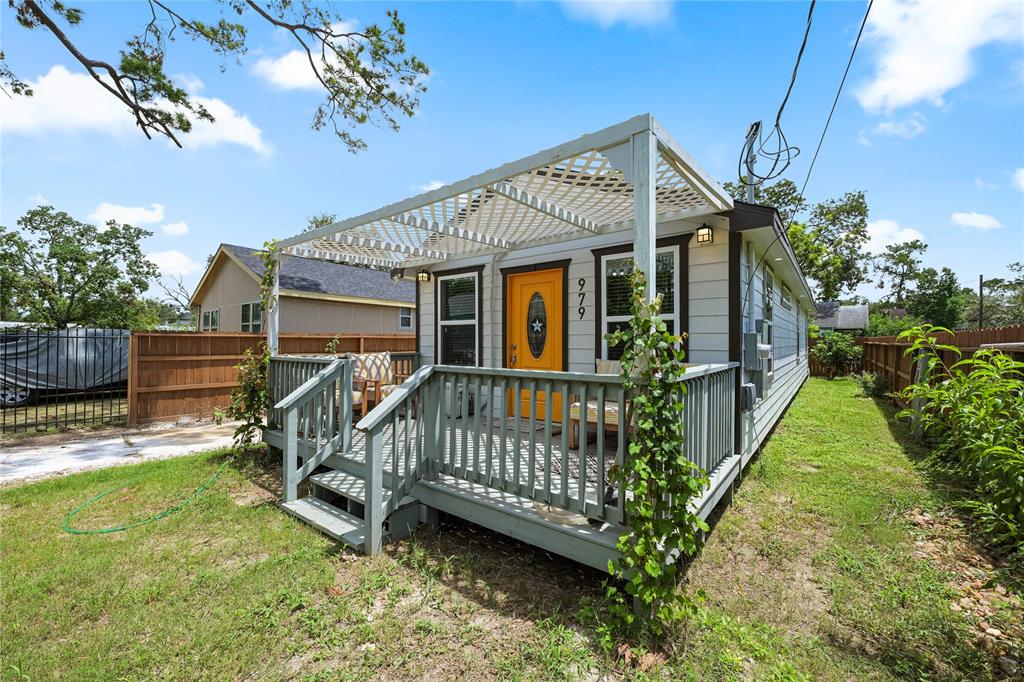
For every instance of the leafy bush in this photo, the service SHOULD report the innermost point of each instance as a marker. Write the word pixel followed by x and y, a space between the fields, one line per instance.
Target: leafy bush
pixel 871 385
pixel 973 411
pixel 883 325
pixel 250 396
pixel 838 353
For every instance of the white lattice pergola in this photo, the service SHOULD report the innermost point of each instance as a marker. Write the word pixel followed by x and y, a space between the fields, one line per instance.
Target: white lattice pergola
pixel 629 175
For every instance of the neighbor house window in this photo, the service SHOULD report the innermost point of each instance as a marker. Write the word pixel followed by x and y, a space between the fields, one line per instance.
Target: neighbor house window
pixel 211 320
pixel 405 318
pixel 458 302
pixel 252 317
pixel 616 295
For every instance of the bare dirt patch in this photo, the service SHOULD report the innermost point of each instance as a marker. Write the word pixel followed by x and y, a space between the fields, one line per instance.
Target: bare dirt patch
pixel 754 569
pixel 980 583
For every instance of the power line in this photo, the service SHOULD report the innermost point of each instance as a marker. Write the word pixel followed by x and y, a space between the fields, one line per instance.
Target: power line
pixel 817 150
pixel 782 153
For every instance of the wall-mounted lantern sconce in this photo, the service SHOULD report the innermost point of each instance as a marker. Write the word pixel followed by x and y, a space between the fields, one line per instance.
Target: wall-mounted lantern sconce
pixel 423 276
pixel 705 235
pixel 397 274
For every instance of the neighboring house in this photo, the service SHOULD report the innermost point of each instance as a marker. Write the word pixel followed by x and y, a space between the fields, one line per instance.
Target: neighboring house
pixel 521 271
pixel 316 296
pixel 834 317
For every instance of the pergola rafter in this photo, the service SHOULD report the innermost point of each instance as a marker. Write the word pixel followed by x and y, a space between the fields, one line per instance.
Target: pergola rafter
pixel 557 194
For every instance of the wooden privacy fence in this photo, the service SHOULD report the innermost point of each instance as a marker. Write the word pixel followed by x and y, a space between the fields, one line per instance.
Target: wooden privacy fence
pixel 884 355
pixel 175 375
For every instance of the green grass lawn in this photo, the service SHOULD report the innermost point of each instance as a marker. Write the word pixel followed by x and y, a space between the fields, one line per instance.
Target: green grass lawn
pixel 835 561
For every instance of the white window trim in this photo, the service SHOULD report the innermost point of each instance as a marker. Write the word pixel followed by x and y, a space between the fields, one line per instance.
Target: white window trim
pixel 401 317
pixel 474 322
pixel 241 325
pixel 202 321
pixel 605 318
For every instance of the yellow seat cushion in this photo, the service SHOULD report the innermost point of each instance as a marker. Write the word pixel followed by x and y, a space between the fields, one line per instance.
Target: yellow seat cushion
pixel 611 412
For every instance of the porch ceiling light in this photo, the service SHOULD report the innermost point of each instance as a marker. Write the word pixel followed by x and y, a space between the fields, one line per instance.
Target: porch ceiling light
pixel 423 276
pixel 705 235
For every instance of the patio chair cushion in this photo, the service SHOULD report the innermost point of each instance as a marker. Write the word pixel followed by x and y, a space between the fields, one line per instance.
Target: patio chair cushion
pixel 373 367
pixel 608 366
pixel 611 412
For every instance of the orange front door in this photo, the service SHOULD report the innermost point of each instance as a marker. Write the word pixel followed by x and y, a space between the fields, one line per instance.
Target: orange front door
pixel 534 327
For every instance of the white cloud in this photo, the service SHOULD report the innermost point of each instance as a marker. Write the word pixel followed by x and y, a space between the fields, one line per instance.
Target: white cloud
pixel 430 186
pixel 981 183
pixel 882 233
pixel 173 263
pixel 292 70
pixel 38 200
pixel 133 215
pixel 925 48
pixel 1018 179
pixel 607 13
pixel 977 221
pixel 95 110
pixel 229 127
pixel 175 229
pixel 908 127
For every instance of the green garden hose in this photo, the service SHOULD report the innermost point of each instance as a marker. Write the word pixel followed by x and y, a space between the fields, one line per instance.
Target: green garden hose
pixel 140 522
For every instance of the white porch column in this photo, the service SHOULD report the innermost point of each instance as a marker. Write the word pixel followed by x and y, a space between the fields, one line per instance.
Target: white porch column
pixel 645 165
pixel 274 314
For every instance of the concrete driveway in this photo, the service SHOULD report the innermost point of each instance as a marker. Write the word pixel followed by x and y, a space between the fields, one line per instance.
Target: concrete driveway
pixel 48 457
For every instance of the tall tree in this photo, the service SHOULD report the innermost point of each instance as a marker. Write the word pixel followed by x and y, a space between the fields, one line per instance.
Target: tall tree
pixel 783 196
pixel 937 298
pixel 897 267
pixel 68 272
pixel 365 75
pixel 828 242
pixel 1004 300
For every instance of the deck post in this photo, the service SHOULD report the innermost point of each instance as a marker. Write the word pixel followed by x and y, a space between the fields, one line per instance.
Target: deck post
pixel 433 417
pixel 274 312
pixel 290 448
pixel 644 172
pixel 374 470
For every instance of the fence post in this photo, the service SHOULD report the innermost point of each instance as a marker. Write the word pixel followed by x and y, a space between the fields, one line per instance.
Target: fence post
pixel 133 380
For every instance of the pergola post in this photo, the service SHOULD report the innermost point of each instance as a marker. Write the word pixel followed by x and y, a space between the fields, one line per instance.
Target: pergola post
pixel 645 162
pixel 274 313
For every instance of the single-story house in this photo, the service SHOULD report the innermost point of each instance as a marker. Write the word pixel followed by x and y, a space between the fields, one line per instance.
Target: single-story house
pixel 518 411
pixel 831 316
pixel 317 296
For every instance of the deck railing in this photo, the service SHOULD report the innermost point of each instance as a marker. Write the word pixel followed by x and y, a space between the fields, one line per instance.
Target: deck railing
pixel 394 431
pixel 316 420
pixel 709 414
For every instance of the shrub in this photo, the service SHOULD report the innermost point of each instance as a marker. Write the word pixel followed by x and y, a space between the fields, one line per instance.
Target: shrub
pixel 973 412
pixel 883 325
pixel 871 385
pixel 249 397
pixel 838 353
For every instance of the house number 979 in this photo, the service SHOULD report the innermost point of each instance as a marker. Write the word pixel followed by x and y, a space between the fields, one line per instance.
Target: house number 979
pixel 582 310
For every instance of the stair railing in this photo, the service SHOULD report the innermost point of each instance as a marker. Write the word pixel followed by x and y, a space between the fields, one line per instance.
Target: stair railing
pixel 317 422
pixel 395 430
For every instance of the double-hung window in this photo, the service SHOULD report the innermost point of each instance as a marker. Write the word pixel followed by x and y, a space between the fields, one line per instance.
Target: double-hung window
pixel 405 318
pixel 768 303
pixel 616 296
pixel 211 320
pixel 458 303
pixel 252 317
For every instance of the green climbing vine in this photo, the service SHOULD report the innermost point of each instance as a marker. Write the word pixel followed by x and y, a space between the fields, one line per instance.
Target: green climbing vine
pixel 250 396
pixel 660 479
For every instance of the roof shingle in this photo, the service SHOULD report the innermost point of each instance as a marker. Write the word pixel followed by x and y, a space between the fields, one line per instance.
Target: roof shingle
pixel 324 277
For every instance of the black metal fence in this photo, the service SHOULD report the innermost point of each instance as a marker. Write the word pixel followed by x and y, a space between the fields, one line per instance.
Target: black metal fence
pixel 62 379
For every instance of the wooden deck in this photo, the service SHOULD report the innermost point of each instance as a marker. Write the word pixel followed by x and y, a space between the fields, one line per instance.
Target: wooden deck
pixel 436 445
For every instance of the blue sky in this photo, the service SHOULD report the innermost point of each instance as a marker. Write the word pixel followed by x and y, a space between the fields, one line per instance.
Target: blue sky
pixel 931 125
